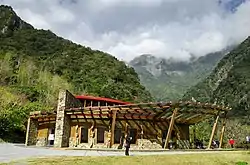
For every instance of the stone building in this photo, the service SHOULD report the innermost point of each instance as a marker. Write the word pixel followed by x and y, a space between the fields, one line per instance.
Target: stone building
pixel 95 122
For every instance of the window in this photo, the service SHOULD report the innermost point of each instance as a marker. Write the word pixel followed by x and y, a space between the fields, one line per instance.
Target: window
pixel 100 135
pixel 110 104
pixel 94 103
pixel 84 135
pixel 88 103
pixel 102 103
pixel 118 134
pixel 133 134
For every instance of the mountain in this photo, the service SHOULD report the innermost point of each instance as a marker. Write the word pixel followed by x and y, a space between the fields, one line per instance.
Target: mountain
pixel 167 79
pixel 88 70
pixel 229 82
pixel 35 64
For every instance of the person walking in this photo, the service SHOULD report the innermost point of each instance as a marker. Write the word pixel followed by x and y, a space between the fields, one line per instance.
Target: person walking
pixel 231 142
pixel 127 144
pixel 247 141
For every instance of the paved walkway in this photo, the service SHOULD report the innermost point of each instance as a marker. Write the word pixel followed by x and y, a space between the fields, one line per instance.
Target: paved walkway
pixel 10 152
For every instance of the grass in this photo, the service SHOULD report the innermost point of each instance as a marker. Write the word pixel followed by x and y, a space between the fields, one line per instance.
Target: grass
pixel 1 140
pixel 223 158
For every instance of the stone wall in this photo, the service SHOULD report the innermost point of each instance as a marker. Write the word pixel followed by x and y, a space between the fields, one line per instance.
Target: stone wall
pixel 71 101
pixel 66 133
pixel 141 144
pixel 62 130
pixel 72 142
pixel 148 144
pixel 31 134
pixel 42 142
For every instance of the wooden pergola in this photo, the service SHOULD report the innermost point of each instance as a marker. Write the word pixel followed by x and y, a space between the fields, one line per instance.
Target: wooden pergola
pixel 188 113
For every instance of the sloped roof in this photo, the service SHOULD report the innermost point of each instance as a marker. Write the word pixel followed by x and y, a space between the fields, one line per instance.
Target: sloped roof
pixel 85 97
pixel 188 112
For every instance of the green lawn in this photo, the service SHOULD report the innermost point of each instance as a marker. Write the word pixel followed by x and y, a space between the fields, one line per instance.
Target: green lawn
pixel 223 158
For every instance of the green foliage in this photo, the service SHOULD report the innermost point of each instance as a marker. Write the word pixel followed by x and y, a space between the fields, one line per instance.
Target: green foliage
pixel 169 80
pixel 201 131
pixel 25 89
pixel 11 115
pixel 229 83
pixel 89 71
pixel 36 64
pixel 241 163
pixel 234 129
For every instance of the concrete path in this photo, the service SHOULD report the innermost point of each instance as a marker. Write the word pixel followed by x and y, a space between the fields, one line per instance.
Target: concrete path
pixel 12 152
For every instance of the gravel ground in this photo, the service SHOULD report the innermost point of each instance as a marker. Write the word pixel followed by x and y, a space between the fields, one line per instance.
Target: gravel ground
pixel 12 152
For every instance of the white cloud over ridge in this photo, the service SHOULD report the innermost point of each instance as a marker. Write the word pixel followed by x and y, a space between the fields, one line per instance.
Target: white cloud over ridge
pixel 128 28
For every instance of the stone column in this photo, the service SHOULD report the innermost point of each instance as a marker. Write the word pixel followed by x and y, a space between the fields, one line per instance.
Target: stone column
pixel 62 130
pixel 31 132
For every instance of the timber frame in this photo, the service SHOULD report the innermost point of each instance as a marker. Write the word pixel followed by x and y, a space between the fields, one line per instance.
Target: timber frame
pixel 166 116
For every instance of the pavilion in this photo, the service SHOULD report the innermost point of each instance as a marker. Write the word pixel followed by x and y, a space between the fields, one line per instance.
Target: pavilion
pixel 95 122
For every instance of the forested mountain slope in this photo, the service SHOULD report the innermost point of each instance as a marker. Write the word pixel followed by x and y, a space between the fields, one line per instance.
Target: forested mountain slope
pixel 229 83
pixel 169 80
pixel 35 64
pixel 89 71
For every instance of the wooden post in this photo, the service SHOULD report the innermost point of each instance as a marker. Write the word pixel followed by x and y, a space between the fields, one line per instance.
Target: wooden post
pixel 76 135
pixel 170 128
pixel 113 128
pixel 194 134
pixel 80 133
pixel 141 131
pixel 213 131
pixel 222 131
pixel 84 104
pixel 27 132
pixel 126 129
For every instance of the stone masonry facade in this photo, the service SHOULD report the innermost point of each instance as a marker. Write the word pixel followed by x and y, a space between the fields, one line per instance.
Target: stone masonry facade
pixel 41 142
pixel 62 130
pixel 31 134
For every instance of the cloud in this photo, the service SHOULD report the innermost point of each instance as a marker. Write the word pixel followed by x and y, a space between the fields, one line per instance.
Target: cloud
pixel 129 28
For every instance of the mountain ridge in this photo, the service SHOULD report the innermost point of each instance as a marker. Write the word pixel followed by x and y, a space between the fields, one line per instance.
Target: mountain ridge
pixel 229 82
pixel 54 53
pixel 36 64
pixel 168 79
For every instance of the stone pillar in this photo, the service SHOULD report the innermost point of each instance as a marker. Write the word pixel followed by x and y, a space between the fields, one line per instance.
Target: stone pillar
pixel 62 130
pixel 31 132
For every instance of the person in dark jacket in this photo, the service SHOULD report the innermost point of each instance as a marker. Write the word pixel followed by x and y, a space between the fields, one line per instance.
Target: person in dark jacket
pixel 127 144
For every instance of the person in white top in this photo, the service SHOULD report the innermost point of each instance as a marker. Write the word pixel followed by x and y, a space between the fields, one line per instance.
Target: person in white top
pixel 247 139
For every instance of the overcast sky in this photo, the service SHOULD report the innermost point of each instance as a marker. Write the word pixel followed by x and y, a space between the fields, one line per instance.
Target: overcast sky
pixel 129 28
